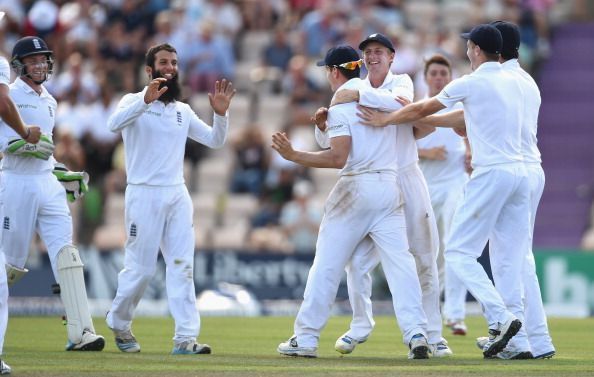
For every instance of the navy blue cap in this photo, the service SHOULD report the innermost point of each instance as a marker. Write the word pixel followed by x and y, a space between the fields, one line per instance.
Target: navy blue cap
pixel 487 37
pixel 379 38
pixel 339 55
pixel 510 33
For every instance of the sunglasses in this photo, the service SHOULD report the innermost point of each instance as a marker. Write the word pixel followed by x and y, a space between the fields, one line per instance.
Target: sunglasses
pixel 351 66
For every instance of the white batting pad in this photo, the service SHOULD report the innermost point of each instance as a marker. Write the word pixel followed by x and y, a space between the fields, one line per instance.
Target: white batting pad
pixel 73 293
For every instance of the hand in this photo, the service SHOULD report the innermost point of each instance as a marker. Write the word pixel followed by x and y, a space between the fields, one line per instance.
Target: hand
pixel 320 117
pixel 402 100
pixel 467 162
pixel 460 131
pixel 42 150
pixel 75 183
pixel 282 144
pixel 33 134
pixel 153 92
pixel 437 153
pixel 221 98
pixel 372 117
pixel 345 96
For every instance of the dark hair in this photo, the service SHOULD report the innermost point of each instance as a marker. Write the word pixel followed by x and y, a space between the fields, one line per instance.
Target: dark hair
pixel 437 59
pixel 507 55
pixel 350 73
pixel 152 51
pixel 492 57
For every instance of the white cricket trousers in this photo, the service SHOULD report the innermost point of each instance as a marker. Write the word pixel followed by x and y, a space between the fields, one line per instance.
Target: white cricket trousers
pixel 34 202
pixel 158 217
pixel 496 204
pixel 421 230
pixel 3 303
pixel 445 197
pixel 535 325
pixel 358 206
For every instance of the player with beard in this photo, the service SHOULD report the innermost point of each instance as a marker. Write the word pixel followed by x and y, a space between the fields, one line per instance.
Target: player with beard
pixel 158 210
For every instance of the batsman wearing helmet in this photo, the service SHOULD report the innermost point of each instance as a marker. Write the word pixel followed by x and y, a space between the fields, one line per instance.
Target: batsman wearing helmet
pixel 34 199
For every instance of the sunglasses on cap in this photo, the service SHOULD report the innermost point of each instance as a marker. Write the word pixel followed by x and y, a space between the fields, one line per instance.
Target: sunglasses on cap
pixel 351 66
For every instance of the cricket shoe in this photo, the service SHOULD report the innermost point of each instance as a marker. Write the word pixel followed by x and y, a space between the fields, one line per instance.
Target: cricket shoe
pixel 457 327
pixel 4 368
pixel 125 341
pixel 191 348
pixel 499 337
pixel 89 342
pixel 546 355
pixel 345 344
pixel 504 355
pixel 291 348
pixel 419 349
pixel 440 349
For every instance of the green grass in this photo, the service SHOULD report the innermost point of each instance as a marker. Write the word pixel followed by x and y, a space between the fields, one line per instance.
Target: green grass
pixel 247 347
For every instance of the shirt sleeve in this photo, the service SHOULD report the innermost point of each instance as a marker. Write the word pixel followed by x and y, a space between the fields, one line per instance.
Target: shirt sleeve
pixel 338 123
pixel 322 138
pixel 129 109
pixel 385 99
pixel 4 71
pixel 212 137
pixel 456 91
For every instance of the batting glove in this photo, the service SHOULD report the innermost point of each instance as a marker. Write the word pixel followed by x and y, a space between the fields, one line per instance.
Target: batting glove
pixel 42 150
pixel 75 183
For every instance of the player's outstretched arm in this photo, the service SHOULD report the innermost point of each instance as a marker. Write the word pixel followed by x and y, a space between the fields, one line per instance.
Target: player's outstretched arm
pixel 335 157
pixel 10 116
pixel 221 98
pixel 407 114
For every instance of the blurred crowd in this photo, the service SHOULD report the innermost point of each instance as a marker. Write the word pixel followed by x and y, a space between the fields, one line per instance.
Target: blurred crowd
pixel 268 49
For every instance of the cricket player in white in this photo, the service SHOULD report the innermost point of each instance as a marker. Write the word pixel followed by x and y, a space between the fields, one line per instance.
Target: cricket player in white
pixel 541 344
pixel 9 116
pixel 159 213
pixel 379 90
pixel 496 198
pixel 442 159
pixel 34 200
pixel 366 201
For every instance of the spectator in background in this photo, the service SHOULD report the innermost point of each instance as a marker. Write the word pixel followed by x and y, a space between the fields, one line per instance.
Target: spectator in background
pixel 225 17
pixel 278 52
pixel 321 28
pixel 304 93
pixel 207 59
pixel 76 80
pixel 300 219
pixel 251 161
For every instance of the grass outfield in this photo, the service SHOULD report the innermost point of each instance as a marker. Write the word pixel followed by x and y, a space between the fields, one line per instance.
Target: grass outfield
pixel 247 347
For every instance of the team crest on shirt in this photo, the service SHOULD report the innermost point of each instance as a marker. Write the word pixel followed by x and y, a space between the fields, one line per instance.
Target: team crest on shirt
pixel 51 112
pixel 133 230
pixel 6 224
pixel 179 118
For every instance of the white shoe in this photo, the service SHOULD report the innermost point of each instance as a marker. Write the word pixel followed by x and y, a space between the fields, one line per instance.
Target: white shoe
pixel 5 368
pixel 419 349
pixel 499 337
pixel 514 355
pixel 440 349
pixel 345 344
pixel 481 341
pixel 191 348
pixel 89 342
pixel 291 348
pixel 125 341
pixel 458 327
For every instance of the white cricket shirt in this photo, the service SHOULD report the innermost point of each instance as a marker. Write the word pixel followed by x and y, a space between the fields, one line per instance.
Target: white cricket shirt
pixel 532 101
pixel 452 167
pixel 493 112
pixel 393 85
pixel 155 138
pixel 372 149
pixel 35 110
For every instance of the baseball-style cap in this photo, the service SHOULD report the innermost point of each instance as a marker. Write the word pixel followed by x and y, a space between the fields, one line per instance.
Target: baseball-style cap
pixel 487 37
pixel 510 33
pixel 379 38
pixel 337 56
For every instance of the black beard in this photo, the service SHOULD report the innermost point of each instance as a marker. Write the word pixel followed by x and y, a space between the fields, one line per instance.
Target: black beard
pixel 173 88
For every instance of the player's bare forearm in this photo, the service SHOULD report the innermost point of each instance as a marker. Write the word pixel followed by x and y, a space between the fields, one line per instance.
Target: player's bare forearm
pixel 335 157
pixel 345 96
pixel 10 116
pixel 420 130
pixel 453 119
pixel 407 114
